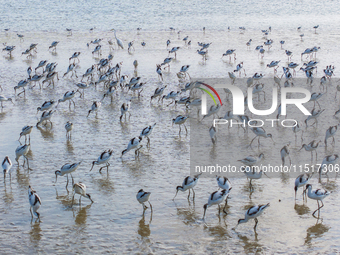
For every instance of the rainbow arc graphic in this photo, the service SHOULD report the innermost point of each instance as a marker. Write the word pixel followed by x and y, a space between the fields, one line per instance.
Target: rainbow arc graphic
pixel 204 98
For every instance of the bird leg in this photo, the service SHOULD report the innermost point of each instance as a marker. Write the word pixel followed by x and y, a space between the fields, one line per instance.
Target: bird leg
pixel 193 197
pixel 189 194
pixel 316 209
pixel 252 141
pixel 226 202
pixel 150 207
pixel 256 221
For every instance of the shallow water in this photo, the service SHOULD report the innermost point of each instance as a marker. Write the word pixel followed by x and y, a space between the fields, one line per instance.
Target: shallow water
pixel 114 222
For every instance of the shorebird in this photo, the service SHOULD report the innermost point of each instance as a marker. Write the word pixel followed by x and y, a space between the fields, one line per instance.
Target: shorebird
pixel 312 146
pixel 6 166
pixel 174 50
pixel 252 213
pixel 50 78
pixel 223 182
pixel 260 132
pixel 98 50
pixel 146 132
pixel 5 99
pixel 95 107
pixel 69 95
pixel 301 181
pixel 328 160
pixel 318 195
pixel 216 198
pixel 284 152
pixel 274 64
pixel 26 131
pixel 131 47
pixel 171 95
pixel 75 56
pixel 252 174
pixel 213 110
pixel 21 84
pixel 22 151
pixel 68 127
pixel 212 133
pixel 80 189
pixel 133 144
pixel 239 69
pixel 251 160
pixel 67 169
pixel 289 54
pixel 36 78
pixel 69 30
pixel 46 116
pixel 315 97
pixel 249 43
pixel 158 93
pixel 9 50
pixel 88 73
pixel 143 197
pixel 315 115
pixel 53 46
pixel 180 120
pixel 188 184
pixel 103 159
pixel 124 109
pixel 35 202
pixel 232 76
pixel 71 68
pixel 46 106
pixel 229 53
pixel 330 133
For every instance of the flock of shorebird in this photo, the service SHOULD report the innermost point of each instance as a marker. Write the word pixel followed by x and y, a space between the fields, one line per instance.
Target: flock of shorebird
pixel 109 74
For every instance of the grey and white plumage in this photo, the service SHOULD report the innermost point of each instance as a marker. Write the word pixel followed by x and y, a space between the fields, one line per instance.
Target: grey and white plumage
pixel 104 158
pixel 35 202
pixel 80 189
pixel 188 184
pixel 253 213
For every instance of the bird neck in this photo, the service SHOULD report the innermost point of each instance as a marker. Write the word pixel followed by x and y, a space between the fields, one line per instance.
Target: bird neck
pixel 243 220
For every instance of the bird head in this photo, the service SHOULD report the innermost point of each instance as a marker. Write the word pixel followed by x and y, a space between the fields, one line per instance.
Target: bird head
pixel 58 172
pixel 93 165
pixel 89 197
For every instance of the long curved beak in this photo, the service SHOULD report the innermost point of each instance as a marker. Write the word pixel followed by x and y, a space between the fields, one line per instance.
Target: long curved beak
pixel 205 209
pixel 92 167
pixel 175 195
pixel 266 175
pixel 56 178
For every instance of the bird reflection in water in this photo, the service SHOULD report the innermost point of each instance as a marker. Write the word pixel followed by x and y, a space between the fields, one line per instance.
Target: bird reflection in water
pixel 143 228
pixel 8 196
pixel 301 209
pixel 65 200
pixel 144 232
pixel 35 232
pixel 81 217
pixel 315 231
pixel 69 147
pixel 249 245
pixel 188 215
pixel 46 133
pixel 219 232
